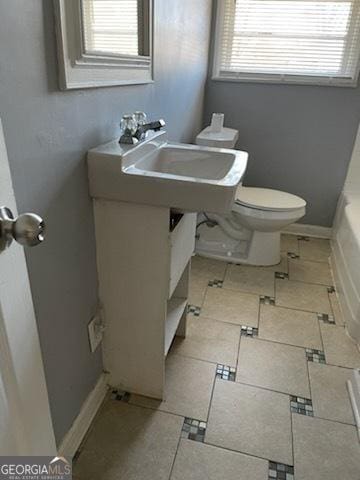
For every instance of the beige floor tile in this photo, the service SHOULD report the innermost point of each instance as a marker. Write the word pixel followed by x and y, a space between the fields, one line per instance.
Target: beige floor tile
pixel 310 272
pixel 209 340
pixel 274 366
pixel 316 249
pixel 202 271
pixel 129 442
pixel 250 279
pixel 231 306
pixel 198 461
pixel 325 450
pixel 188 388
pixel 289 243
pixel 293 327
pixel 197 290
pixel 339 348
pixel 329 392
pixel 250 420
pixel 335 305
pixel 302 296
pixel 207 268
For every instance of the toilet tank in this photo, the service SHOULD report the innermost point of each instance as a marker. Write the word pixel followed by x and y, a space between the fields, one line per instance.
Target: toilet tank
pixel 225 138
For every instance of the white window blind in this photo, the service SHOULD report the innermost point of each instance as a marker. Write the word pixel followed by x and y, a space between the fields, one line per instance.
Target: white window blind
pixel 304 41
pixel 110 27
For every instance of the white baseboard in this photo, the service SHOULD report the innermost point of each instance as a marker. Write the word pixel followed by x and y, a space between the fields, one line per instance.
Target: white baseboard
pixel 78 429
pixel 354 393
pixel 308 230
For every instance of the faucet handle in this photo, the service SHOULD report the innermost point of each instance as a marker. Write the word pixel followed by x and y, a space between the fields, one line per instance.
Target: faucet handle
pixel 128 124
pixel 140 118
pixel 128 127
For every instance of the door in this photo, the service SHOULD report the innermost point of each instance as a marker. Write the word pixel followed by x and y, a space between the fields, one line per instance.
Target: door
pixel 25 421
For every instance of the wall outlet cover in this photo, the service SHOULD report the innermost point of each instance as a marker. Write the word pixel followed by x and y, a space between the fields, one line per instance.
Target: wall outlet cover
pixel 95 330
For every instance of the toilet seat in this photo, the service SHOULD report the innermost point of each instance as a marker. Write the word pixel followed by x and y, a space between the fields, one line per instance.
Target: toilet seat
pixel 267 199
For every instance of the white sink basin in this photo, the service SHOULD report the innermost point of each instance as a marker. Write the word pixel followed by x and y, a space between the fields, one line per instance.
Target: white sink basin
pixel 156 172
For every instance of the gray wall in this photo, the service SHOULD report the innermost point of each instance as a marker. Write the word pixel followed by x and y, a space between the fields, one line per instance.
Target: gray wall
pixel 299 138
pixel 48 133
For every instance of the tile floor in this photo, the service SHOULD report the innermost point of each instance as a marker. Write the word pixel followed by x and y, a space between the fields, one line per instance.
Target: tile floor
pixel 256 391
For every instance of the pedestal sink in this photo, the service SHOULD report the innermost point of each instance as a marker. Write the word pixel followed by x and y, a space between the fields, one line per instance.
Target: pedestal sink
pixel 156 172
pixel 144 248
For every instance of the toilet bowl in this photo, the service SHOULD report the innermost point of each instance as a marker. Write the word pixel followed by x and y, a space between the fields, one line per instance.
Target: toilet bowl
pixel 250 234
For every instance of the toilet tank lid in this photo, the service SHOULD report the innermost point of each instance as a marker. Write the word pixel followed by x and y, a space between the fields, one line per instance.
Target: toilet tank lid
pixel 225 135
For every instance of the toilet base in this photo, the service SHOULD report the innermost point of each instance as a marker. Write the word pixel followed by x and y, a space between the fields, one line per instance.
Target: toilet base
pixel 257 248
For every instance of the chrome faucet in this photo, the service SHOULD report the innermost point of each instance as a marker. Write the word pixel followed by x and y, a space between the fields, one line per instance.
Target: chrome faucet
pixel 134 128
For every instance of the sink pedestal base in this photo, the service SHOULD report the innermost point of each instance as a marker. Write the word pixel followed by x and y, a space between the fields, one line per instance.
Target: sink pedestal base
pixel 143 271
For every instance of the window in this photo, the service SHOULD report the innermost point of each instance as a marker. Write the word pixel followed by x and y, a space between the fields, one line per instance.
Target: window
pixel 289 41
pixel 113 27
pixel 104 42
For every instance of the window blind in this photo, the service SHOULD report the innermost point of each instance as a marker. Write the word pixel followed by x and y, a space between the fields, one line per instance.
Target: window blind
pixel 285 38
pixel 110 27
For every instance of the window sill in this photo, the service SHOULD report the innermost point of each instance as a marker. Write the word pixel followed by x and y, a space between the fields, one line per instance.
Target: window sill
pixel 296 80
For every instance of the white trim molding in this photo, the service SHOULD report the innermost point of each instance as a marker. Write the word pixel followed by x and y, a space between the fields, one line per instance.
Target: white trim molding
pixel 77 432
pixel 308 230
pixel 79 69
pixel 354 393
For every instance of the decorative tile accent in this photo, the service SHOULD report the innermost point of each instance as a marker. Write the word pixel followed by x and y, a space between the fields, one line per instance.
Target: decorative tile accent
pixel 216 283
pixel 120 395
pixel 304 239
pixel 324 317
pixel 266 300
pixel 279 471
pixel 249 331
pixel 281 275
pixel 331 289
pixel 317 356
pixel 293 255
pixel 301 405
pixel 193 430
pixel 225 373
pixel 194 310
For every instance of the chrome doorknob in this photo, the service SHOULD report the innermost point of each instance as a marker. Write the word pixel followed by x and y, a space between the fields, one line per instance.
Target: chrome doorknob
pixel 27 229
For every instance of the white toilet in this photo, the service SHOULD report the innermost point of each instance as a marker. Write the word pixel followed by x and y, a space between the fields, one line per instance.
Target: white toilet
pixel 250 234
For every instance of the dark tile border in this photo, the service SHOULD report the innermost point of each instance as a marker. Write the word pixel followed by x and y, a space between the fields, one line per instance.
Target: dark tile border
pixel 279 471
pixel 249 331
pixel 225 372
pixel 302 406
pixel 326 318
pixel 266 300
pixel 293 255
pixel 120 395
pixel 282 275
pixel 193 430
pixel 194 310
pixel 316 356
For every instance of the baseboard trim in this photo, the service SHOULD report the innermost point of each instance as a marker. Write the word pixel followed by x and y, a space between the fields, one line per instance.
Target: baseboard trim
pixel 354 393
pixel 78 429
pixel 308 230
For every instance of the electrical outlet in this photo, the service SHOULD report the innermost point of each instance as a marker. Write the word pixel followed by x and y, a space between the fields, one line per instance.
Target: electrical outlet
pixel 96 331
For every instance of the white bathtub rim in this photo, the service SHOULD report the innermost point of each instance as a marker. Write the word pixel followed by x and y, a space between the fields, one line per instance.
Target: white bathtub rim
pixel 343 287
